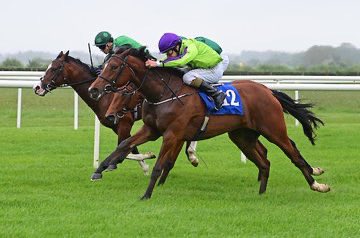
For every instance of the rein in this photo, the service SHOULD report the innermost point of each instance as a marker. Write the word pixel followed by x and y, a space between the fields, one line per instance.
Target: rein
pixel 124 65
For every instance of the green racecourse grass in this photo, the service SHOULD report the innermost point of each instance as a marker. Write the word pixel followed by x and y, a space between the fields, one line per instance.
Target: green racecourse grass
pixel 45 188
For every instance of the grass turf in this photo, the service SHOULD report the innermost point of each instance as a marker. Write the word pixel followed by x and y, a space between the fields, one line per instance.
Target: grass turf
pixel 45 188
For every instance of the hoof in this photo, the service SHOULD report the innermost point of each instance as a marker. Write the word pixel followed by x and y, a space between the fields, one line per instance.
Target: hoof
pixel 319 187
pixel 111 167
pixel 96 176
pixel 317 171
pixel 262 192
pixel 150 155
pixel 193 160
pixel 195 163
pixel 145 197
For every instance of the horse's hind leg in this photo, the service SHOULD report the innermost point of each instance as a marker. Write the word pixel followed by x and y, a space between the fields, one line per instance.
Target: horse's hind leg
pixel 278 136
pixel 261 149
pixel 247 141
pixel 314 171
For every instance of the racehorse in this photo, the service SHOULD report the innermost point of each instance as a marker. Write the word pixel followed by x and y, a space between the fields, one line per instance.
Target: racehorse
pixel 67 71
pixel 175 112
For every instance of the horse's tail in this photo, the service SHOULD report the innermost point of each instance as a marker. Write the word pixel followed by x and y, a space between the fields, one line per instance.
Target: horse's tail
pixel 301 112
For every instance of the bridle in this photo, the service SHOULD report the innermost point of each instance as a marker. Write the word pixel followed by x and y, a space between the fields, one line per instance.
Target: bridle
pixel 111 87
pixel 52 85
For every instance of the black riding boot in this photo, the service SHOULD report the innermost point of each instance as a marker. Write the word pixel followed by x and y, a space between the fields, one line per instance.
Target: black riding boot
pixel 213 92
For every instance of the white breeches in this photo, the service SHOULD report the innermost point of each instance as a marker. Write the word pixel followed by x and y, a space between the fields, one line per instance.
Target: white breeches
pixel 212 75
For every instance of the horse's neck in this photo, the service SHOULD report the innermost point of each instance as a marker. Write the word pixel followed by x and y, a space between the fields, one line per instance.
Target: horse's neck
pixel 98 107
pixel 161 85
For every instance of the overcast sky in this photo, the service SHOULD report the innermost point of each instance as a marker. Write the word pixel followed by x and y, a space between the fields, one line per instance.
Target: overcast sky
pixel 236 25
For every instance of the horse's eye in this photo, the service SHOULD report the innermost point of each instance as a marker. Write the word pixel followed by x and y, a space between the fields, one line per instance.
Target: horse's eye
pixel 113 67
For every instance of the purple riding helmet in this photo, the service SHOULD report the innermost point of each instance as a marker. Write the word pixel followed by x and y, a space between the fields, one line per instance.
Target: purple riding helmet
pixel 168 41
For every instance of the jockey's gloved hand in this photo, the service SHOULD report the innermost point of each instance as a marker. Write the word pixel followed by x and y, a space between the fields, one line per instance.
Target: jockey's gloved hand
pixel 149 56
pixel 96 70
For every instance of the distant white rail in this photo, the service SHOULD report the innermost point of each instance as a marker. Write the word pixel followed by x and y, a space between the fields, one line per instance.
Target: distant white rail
pixel 26 79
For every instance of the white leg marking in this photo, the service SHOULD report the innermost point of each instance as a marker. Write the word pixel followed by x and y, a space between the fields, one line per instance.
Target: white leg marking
pixel 320 187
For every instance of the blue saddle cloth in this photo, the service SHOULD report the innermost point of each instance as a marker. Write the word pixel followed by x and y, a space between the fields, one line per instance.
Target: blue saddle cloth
pixel 232 104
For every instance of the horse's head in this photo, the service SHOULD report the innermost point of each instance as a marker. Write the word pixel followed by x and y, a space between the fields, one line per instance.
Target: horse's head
pixel 117 108
pixel 63 71
pixel 122 68
pixel 54 75
pixel 123 103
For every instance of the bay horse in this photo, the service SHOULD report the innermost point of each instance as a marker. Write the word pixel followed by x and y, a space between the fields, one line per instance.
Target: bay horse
pixel 175 112
pixel 67 71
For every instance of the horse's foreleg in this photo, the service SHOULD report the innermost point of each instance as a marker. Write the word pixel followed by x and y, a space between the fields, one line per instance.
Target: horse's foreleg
pixel 168 166
pixel 143 135
pixel 123 132
pixel 169 152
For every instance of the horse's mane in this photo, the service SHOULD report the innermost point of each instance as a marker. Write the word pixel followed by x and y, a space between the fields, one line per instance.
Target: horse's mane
pixel 143 56
pixel 173 71
pixel 79 62
pixel 82 64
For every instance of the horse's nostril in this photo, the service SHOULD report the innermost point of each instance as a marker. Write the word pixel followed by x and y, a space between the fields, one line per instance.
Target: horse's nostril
pixel 112 118
pixel 108 88
pixel 94 92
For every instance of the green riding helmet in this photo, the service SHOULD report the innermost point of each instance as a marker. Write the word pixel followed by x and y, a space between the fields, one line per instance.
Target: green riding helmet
pixel 102 38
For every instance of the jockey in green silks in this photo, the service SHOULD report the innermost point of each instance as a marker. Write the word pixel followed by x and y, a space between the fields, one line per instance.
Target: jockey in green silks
pixel 207 66
pixel 108 45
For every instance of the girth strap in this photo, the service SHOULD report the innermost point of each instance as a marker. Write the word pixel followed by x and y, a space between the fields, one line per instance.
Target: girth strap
pixel 202 129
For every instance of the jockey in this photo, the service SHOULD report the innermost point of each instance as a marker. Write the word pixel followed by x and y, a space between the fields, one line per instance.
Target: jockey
pixel 207 66
pixel 106 43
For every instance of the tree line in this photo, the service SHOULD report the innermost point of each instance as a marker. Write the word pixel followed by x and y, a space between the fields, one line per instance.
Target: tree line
pixel 32 65
pixel 317 60
pixel 38 64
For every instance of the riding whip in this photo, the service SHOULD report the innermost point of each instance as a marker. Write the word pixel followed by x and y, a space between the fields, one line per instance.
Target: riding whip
pixel 91 61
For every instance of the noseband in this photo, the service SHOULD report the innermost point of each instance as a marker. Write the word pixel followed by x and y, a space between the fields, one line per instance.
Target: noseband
pixel 52 84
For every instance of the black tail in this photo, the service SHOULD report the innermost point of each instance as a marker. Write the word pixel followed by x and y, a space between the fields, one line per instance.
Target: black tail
pixel 301 112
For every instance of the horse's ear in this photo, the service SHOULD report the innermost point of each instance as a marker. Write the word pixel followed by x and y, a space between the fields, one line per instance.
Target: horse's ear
pixel 60 54
pixel 66 55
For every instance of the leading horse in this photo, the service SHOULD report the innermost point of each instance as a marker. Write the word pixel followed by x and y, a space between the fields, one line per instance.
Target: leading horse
pixel 175 112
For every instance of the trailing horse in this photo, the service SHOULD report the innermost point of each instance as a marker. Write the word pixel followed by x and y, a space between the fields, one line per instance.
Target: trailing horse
pixel 175 112
pixel 67 71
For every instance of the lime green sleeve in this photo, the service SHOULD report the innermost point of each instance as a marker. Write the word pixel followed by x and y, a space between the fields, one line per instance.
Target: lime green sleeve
pixel 189 53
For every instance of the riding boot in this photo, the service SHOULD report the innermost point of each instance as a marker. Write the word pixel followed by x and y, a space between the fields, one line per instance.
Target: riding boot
pixel 211 91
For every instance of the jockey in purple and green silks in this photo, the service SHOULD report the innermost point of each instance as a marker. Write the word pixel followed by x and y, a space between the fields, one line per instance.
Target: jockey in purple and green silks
pixel 207 66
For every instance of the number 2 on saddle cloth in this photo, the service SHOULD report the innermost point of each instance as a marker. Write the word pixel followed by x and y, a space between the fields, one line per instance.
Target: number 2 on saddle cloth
pixel 232 103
